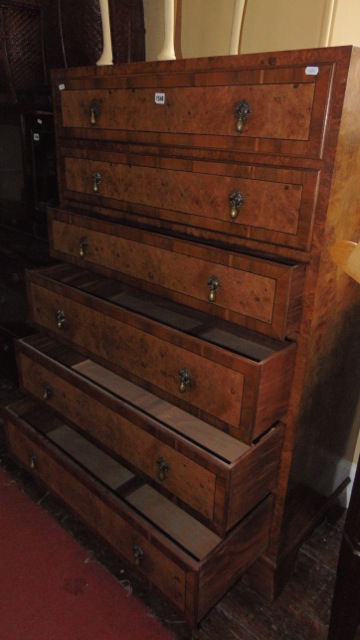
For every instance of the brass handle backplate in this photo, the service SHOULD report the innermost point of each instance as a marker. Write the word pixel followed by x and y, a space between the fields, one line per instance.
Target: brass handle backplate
pixel 214 285
pixel 94 112
pixel 83 246
pixel 60 319
pixel 47 392
pixel 138 554
pixel 236 202
pixel 163 468
pixel 242 112
pixel 96 181
pixel 185 380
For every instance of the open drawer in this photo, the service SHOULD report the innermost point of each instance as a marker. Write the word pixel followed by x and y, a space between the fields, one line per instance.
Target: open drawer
pixel 168 547
pixel 215 477
pixel 260 294
pixel 239 383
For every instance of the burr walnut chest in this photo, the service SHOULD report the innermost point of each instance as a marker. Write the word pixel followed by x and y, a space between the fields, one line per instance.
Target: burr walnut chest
pixel 191 389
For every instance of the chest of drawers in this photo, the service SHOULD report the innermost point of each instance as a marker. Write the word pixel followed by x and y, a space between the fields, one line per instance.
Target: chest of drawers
pixel 190 391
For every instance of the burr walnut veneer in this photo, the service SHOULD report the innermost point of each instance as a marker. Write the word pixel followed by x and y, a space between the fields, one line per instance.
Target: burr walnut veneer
pixel 191 390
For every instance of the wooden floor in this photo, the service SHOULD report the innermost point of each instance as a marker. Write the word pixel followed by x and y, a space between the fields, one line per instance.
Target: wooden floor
pixel 300 613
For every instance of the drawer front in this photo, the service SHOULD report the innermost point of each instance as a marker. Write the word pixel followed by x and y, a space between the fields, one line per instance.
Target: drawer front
pixel 195 110
pixel 240 201
pixel 172 365
pixel 239 109
pixel 256 293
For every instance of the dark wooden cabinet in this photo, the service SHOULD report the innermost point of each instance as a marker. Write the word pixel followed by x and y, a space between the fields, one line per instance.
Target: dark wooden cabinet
pixel 189 387
pixel 18 252
pixel 40 35
pixel 345 610
pixel 36 36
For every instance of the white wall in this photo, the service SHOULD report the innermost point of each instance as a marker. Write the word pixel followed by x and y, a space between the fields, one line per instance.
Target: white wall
pixel 271 25
pixel 346 23
pixel 203 27
pixel 154 27
pixel 206 27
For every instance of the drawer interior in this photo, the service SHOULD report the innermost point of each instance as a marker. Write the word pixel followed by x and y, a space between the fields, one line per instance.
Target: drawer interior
pixel 203 435
pixel 227 335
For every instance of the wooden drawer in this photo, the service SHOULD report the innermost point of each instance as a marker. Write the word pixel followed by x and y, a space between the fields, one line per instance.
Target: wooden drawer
pixel 197 107
pixel 183 364
pixel 241 201
pixel 260 294
pixel 213 475
pixel 166 545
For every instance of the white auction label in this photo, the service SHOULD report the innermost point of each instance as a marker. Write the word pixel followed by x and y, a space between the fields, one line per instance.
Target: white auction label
pixel 61 87
pixel 159 98
pixel 312 71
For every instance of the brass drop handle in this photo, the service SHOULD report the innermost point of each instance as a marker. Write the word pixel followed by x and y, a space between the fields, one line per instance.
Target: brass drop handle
pixel 94 112
pixel 47 392
pixel 242 112
pixel 33 461
pixel 138 554
pixel 185 380
pixel 83 246
pixel 60 319
pixel 236 202
pixel 214 285
pixel 96 181
pixel 163 468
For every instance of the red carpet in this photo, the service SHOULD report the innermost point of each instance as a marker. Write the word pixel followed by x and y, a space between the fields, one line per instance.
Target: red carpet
pixel 49 590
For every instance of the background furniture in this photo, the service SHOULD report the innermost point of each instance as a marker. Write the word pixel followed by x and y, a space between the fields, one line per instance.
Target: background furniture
pixel 36 36
pixel 345 611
